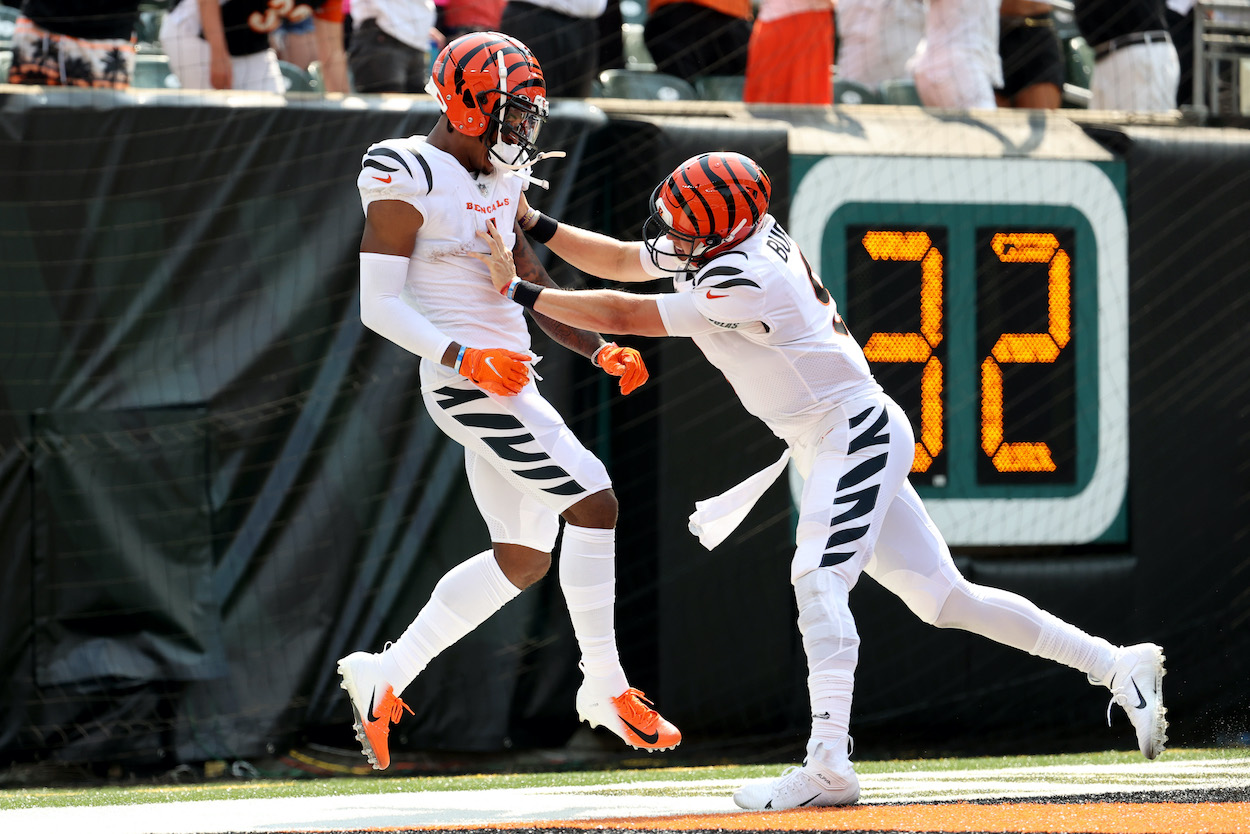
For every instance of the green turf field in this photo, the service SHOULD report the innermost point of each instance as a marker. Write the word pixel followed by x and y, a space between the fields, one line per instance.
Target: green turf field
pixel 1021 768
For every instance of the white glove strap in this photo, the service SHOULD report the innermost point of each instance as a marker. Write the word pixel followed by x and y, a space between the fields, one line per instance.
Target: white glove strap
pixel 594 360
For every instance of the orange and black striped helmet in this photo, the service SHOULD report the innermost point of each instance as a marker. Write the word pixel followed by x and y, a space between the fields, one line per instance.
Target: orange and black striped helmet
pixel 487 77
pixel 711 203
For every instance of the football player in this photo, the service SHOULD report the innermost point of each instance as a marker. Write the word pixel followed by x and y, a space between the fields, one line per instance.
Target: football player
pixel 751 302
pixel 426 198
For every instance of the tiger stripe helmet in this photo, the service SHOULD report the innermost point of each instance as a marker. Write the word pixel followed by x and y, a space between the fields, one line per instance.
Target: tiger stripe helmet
pixel 486 78
pixel 712 202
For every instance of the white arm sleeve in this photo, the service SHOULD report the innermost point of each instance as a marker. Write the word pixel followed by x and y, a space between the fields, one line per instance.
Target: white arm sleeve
pixel 383 311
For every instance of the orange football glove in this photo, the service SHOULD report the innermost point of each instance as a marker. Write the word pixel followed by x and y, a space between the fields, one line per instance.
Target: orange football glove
pixel 623 362
pixel 497 370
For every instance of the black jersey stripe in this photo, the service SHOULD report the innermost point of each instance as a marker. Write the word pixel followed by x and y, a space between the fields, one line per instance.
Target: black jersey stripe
pixel 735 282
pixel 567 488
pixel 489 421
pixel 542 473
pixel 429 175
pixel 505 447
pixel 390 154
pixel 862 472
pixel 458 396
pixel 872 436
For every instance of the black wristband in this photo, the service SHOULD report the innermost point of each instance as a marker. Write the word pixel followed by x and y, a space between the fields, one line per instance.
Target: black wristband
pixel 526 294
pixel 544 228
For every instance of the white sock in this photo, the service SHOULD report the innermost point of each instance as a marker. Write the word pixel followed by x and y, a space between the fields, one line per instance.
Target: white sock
pixel 1065 643
pixel 588 579
pixel 463 599
pixel 830 693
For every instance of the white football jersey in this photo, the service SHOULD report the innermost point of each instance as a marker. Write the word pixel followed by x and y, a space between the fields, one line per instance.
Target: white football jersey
pixel 762 317
pixel 445 284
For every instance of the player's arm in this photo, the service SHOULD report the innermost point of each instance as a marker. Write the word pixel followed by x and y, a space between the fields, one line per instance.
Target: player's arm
pixel 220 70
pixel 390 236
pixel 595 254
pixel 583 340
pixel 580 311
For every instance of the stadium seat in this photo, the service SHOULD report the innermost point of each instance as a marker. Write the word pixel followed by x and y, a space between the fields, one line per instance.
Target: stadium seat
pixel 152 72
pixel 637 56
pixel 852 92
pixel 634 11
pixel 296 79
pixel 900 91
pixel 8 22
pixel 637 84
pixel 720 87
pixel 1078 71
pixel 148 30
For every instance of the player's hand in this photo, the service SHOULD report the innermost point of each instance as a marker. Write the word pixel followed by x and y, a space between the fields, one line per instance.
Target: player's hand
pixel 623 362
pixel 496 370
pixel 502 269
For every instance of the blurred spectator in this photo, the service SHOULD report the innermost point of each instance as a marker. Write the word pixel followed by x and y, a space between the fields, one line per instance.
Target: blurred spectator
pixel 75 43
pixel 1179 15
pixel 956 65
pixel 328 29
pixel 318 38
pixel 1135 64
pixel 611 36
pixel 1033 67
pixel 390 43
pixel 224 44
pixel 692 38
pixel 295 43
pixel 877 37
pixel 564 37
pixel 790 56
pixel 460 17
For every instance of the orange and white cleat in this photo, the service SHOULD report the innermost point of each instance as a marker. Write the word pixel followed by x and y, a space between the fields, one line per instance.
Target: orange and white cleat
pixel 631 716
pixel 374 705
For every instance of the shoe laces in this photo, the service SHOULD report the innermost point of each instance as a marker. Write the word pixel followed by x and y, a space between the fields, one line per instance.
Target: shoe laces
pixel 636 708
pixel 391 707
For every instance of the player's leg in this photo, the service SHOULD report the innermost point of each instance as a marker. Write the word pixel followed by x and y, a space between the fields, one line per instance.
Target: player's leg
pixel 850 476
pixel 531 447
pixel 913 562
pixel 523 532
pixel 588 580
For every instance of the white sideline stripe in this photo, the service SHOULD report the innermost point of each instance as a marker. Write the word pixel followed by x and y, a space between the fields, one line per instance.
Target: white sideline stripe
pixel 629 799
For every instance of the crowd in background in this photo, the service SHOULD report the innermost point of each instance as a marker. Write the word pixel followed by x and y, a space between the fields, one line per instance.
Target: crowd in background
pixel 964 54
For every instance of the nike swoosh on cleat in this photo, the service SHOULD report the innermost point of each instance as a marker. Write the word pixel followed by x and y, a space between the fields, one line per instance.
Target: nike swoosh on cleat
pixel 372 696
pixel 813 799
pixel 649 738
pixel 1141 699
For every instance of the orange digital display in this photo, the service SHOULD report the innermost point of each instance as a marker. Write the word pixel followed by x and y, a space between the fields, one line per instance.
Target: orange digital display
pixel 1012 337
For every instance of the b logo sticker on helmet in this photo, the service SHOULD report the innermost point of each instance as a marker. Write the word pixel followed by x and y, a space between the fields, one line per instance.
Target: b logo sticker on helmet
pixel 707 206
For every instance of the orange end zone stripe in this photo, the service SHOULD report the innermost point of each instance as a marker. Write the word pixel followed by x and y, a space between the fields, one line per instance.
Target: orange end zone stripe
pixel 1032 817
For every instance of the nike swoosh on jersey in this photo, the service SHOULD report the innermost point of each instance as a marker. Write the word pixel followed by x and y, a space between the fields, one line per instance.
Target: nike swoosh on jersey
pixel 649 738
pixel 387 178
pixel 709 295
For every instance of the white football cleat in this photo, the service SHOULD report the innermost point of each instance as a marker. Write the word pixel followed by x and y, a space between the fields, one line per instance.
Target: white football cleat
pixel 1136 684
pixel 825 779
